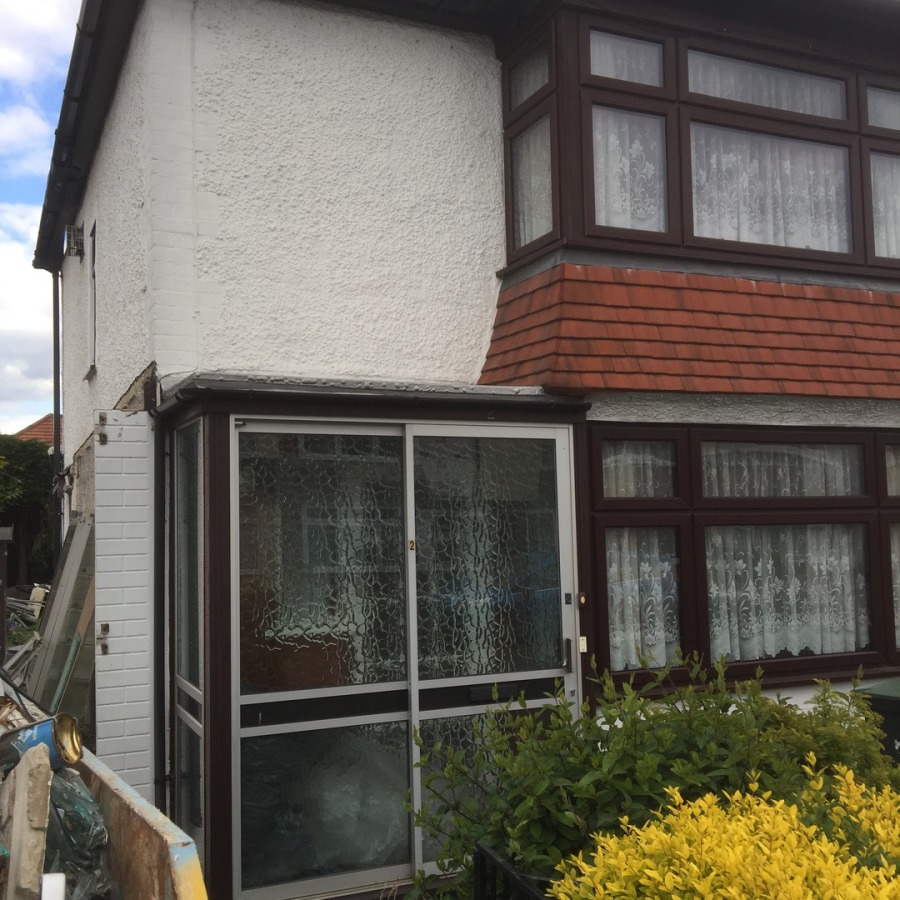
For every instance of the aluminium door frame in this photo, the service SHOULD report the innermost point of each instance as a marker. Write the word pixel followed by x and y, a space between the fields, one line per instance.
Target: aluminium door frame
pixel 339 885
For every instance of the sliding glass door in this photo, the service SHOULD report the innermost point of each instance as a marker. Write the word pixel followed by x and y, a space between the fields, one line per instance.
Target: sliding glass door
pixel 387 577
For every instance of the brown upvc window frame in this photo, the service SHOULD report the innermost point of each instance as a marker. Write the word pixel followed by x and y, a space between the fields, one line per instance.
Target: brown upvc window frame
pixel 759 125
pixel 700 436
pixel 869 146
pixel 512 113
pixel 691 514
pixel 771 58
pixel 889 518
pixel 678 437
pixel 632 104
pixel 546 107
pixel 667 90
pixel 575 90
pixel 691 627
pixel 879 82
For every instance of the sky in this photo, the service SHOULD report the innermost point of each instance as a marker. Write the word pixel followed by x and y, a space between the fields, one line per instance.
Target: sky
pixel 36 39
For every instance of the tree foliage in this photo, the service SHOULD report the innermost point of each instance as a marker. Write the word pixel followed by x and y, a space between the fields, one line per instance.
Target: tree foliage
pixel 26 482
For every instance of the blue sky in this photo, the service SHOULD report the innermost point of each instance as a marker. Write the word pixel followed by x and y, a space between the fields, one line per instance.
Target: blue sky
pixel 35 42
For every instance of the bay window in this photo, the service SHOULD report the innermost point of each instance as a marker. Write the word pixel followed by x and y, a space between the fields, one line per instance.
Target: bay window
pixel 626 137
pixel 776 548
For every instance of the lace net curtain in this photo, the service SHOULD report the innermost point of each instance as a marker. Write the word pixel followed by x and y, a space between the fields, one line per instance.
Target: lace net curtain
pixel 772 590
pixel 746 186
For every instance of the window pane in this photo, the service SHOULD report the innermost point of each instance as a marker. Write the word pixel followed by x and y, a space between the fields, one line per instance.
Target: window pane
pixel 487 560
pixel 886 204
pixel 626 59
pixel 771 86
pixel 884 108
pixel 644 603
pixel 782 470
pixel 761 189
pixel 324 605
pixel 532 183
pixel 629 169
pixel 638 469
pixel 189 783
pixel 786 590
pixel 459 734
pixel 529 76
pixel 317 803
pixel 188 553
pixel 895 579
pixel 892 463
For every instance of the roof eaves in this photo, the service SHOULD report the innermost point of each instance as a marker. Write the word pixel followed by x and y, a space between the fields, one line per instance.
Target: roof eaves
pixel 102 36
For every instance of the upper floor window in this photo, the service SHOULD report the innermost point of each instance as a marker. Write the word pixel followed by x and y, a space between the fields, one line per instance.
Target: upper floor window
pixel 698 147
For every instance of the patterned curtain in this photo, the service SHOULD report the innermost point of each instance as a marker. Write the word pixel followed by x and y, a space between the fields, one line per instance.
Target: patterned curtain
pixel 762 189
pixel 643 596
pixel 629 169
pixel 786 590
pixel 781 470
pixel 532 183
pixel 886 204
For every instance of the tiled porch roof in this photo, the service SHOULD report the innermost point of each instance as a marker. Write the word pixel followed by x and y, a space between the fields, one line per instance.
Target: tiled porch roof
pixel 584 329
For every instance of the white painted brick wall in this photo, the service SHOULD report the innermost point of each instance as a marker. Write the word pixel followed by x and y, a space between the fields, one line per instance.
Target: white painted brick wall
pixel 123 449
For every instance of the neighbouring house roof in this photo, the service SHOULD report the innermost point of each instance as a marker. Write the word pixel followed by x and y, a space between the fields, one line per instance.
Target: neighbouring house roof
pixel 581 330
pixel 42 431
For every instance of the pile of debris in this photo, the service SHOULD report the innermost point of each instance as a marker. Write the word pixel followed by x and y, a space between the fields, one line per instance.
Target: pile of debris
pixel 24 608
pixel 49 820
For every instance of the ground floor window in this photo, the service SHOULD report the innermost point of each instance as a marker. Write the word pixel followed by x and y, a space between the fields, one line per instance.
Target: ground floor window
pixel 749 546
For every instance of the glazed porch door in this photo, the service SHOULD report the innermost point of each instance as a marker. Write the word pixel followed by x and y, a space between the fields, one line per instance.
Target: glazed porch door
pixel 389 577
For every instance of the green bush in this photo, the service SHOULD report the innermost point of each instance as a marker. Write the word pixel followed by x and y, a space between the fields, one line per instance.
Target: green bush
pixel 536 784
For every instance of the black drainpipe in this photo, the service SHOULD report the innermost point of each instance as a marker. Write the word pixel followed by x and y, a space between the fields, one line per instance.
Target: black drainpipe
pixel 161 765
pixel 59 494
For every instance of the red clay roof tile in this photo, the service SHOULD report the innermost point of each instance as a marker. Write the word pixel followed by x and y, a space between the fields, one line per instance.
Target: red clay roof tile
pixel 581 329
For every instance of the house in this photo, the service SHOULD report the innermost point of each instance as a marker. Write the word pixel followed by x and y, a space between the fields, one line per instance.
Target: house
pixel 41 430
pixel 415 348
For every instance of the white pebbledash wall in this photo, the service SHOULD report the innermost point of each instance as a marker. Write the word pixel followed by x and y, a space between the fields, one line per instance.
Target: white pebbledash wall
pixel 295 189
pixel 281 188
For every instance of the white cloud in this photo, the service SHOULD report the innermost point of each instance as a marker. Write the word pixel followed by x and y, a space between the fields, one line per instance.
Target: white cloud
pixel 26 139
pixel 26 324
pixel 36 39
pixel 25 293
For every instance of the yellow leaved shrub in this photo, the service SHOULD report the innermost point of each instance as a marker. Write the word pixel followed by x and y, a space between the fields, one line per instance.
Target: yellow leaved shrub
pixel 841 841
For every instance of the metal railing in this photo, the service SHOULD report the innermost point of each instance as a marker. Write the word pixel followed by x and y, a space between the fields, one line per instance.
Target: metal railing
pixel 497 879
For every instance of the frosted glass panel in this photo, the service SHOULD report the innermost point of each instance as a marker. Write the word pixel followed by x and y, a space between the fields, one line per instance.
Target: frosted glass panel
pixel 638 469
pixel 629 169
pixel 782 470
pixel 487 559
pixel 188 553
pixel 886 204
pixel 884 108
pixel 762 189
pixel 318 803
pixel 771 86
pixel 643 596
pixel 529 76
pixel 321 548
pixel 531 183
pixel 626 59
